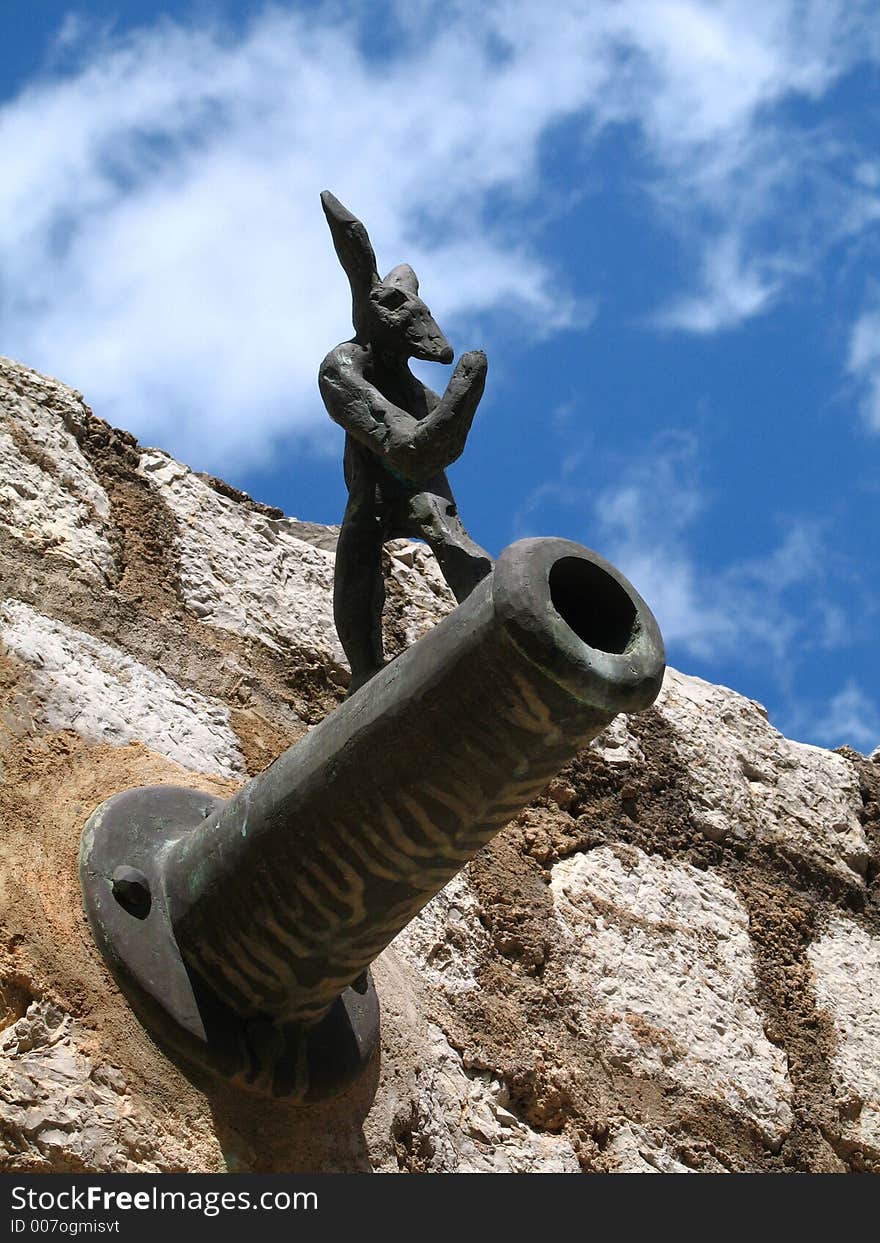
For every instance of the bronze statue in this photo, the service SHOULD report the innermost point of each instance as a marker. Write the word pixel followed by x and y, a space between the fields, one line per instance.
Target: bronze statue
pixel 400 437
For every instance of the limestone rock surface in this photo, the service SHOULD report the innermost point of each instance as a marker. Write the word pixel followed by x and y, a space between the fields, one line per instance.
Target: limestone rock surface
pixel 846 962
pixel 661 957
pixel 254 574
pixel 670 962
pixel 51 497
pixel 83 684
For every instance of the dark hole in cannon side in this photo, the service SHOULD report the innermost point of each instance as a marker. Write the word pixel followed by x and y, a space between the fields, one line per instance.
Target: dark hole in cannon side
pixel 593 604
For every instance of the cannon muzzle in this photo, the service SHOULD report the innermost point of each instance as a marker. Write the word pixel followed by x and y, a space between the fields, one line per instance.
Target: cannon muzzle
pixel 242 931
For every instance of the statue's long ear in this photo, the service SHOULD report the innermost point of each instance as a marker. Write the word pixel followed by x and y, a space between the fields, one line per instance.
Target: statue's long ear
pixel 403 277
pixel 352 244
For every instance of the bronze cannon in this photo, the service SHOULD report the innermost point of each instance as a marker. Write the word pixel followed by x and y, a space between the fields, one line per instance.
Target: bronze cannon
pixel 242 931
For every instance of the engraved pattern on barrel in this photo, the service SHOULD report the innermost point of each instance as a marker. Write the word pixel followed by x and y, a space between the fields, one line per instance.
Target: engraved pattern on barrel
pixel 291 889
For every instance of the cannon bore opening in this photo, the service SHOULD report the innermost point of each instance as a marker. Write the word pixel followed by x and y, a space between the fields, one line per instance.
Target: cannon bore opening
pixel 593 604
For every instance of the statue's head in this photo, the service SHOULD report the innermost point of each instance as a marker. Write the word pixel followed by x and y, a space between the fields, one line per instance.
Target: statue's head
pixel 387 312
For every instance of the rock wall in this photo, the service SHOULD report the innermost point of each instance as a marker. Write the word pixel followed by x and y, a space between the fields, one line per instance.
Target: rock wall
pixel 670 962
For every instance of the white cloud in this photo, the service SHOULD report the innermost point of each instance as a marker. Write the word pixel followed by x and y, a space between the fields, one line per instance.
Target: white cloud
pixel 852 718
pixel 769 609
pixel 864 364
pixel 781 612
pixel 160 239
pixel 731 292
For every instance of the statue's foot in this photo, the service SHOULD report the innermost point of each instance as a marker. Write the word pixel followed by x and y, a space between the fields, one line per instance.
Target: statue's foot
pixel 360 678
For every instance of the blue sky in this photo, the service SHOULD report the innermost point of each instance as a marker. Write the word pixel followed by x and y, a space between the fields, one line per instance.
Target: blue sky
pixel 660 219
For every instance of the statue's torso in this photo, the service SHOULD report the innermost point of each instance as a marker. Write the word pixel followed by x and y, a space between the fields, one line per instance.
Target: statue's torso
pixel 364 469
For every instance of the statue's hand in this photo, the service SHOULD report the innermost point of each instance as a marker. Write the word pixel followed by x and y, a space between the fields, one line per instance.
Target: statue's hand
pixel 466 384
pixel 441 436
pixel 419 448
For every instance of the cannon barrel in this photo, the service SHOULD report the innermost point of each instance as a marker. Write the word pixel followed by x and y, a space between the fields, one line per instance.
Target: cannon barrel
pixel 277 900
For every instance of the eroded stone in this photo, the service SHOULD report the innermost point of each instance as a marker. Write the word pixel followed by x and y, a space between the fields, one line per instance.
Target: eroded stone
pixel 748 782
pixel 51 498
pixel 464 1125
pixel 661 957
pixel 252 574
pixel 846 963
pixel 63 1111
pixel 86 685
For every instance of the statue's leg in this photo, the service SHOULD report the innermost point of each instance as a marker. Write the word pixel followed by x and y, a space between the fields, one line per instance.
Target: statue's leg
pixel 359 589
pixel 432 515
